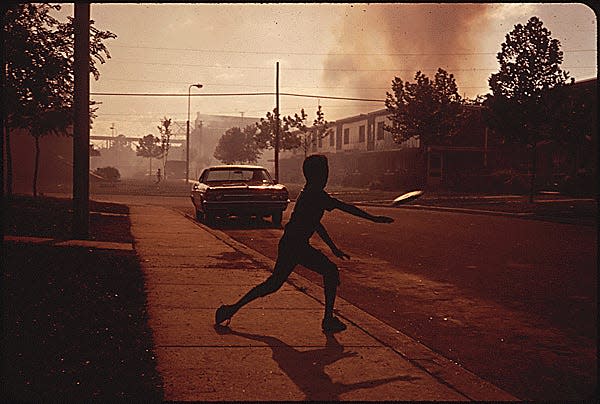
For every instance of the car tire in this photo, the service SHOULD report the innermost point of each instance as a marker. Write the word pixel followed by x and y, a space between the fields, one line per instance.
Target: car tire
pixel 209 218
pixel 276 218
pixel 199 216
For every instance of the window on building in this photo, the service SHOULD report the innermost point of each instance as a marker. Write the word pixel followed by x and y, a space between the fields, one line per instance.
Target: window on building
pixel 346 135
pixel 361 134
pixel 331 138
pixel 413 142
pixel 380 133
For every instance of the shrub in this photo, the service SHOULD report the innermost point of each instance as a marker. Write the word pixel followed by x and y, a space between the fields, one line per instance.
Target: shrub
pixel 108 173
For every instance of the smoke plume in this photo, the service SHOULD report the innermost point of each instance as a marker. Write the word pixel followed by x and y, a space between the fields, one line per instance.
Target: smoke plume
pixel 405 38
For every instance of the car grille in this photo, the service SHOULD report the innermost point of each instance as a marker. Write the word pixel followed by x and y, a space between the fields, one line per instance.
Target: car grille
pixel 232 195
pixel 246 197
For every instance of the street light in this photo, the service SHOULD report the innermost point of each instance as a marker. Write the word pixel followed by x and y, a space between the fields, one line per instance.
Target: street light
pixel 187 134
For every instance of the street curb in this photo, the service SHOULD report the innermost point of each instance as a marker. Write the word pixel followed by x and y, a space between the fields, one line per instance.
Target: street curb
pixel 447 372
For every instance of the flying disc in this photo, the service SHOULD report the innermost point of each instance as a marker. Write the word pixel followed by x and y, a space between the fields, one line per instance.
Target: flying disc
pixel 407 197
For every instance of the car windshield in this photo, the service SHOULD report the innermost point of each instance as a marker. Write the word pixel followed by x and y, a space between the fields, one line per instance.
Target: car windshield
pixel 246 175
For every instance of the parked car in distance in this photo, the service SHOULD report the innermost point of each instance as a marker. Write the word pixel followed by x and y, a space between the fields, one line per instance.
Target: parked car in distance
pixel 238 190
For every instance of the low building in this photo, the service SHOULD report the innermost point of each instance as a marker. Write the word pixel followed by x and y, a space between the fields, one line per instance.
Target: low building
pixel 362 153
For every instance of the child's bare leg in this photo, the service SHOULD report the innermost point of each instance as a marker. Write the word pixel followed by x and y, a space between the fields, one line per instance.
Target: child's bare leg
pixel 283 268
pixel 331 281
pixel 315 260
pixel 272 284
pixel 331 323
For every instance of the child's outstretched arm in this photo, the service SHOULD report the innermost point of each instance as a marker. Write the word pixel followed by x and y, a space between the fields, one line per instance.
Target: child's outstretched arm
pixel 353 210
pixel 325 237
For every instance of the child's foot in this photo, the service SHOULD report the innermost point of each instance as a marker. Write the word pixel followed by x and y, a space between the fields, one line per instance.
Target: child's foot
pixel 224 313
pixel 332 325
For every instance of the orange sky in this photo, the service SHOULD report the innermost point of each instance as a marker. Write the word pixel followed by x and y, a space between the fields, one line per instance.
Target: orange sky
pixel 342 50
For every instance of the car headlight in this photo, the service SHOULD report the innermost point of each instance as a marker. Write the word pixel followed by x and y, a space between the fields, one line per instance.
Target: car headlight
pixel 212 196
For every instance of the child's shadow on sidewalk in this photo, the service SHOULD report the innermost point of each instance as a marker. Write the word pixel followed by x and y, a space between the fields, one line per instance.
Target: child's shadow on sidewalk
pixel 307 368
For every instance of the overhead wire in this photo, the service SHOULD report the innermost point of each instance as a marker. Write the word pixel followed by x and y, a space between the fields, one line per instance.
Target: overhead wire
pixel 113 94
pixel 328 53
pixel 314 68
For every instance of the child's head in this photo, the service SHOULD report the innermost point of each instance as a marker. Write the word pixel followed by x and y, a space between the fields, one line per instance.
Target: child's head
pixel 316 170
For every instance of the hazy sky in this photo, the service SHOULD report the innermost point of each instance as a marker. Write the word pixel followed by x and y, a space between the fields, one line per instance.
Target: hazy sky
pixel 324 49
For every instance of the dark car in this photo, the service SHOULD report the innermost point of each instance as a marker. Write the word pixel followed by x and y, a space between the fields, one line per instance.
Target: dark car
pixel 238 190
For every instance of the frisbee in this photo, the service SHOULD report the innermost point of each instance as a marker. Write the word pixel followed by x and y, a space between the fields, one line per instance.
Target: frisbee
pixel 407 197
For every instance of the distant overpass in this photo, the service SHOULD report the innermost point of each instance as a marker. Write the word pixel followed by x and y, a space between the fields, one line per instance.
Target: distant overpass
pixel 131 139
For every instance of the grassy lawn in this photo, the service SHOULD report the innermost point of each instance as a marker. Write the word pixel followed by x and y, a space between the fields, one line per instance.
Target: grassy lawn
pixel 74 320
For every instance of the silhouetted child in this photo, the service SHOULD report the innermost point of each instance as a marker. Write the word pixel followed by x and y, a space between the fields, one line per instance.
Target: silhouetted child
pixel 294 247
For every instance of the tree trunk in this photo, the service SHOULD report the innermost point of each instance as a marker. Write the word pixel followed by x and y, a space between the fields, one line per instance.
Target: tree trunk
pixel 424 154
pixel 9 170
pixel 165 167
pixel 533 173
pixel 150 173
pixel 37 164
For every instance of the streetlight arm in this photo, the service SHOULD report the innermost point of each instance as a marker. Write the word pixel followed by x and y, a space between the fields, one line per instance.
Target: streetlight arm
pixel 197 85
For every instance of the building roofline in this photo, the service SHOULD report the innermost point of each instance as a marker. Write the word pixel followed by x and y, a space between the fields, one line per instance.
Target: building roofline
pixel 359 117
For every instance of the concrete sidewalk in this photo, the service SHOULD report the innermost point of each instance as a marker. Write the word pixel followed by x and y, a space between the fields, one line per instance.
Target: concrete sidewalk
pixel 274 348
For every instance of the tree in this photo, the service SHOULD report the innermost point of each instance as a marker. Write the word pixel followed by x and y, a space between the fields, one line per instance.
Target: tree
pixel 310 135
pixel 39 78
pixel 521 105
pixel 298 122
pixel 149 147
pixel 120 143
pixel 165 139
pixel 108 173
pixel 237 146
pixel 321 128
pixel 265 136
pixel 428 110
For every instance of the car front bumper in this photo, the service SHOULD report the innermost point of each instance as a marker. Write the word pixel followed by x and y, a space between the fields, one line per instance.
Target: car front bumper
pixel 244 207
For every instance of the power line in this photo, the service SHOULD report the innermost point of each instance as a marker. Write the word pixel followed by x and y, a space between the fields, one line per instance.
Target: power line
pixel 176 94
pixel 105 116
pixel 313 68
pixel 331 97
pixel 238 85
pixel 230 95
pixel 328 54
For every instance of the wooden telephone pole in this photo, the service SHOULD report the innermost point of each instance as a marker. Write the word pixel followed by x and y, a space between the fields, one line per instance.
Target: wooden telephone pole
pixel 277 123
pixel 81 123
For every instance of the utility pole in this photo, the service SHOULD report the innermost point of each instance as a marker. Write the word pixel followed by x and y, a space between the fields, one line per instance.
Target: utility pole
pixel 277 124
pixel 81 124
